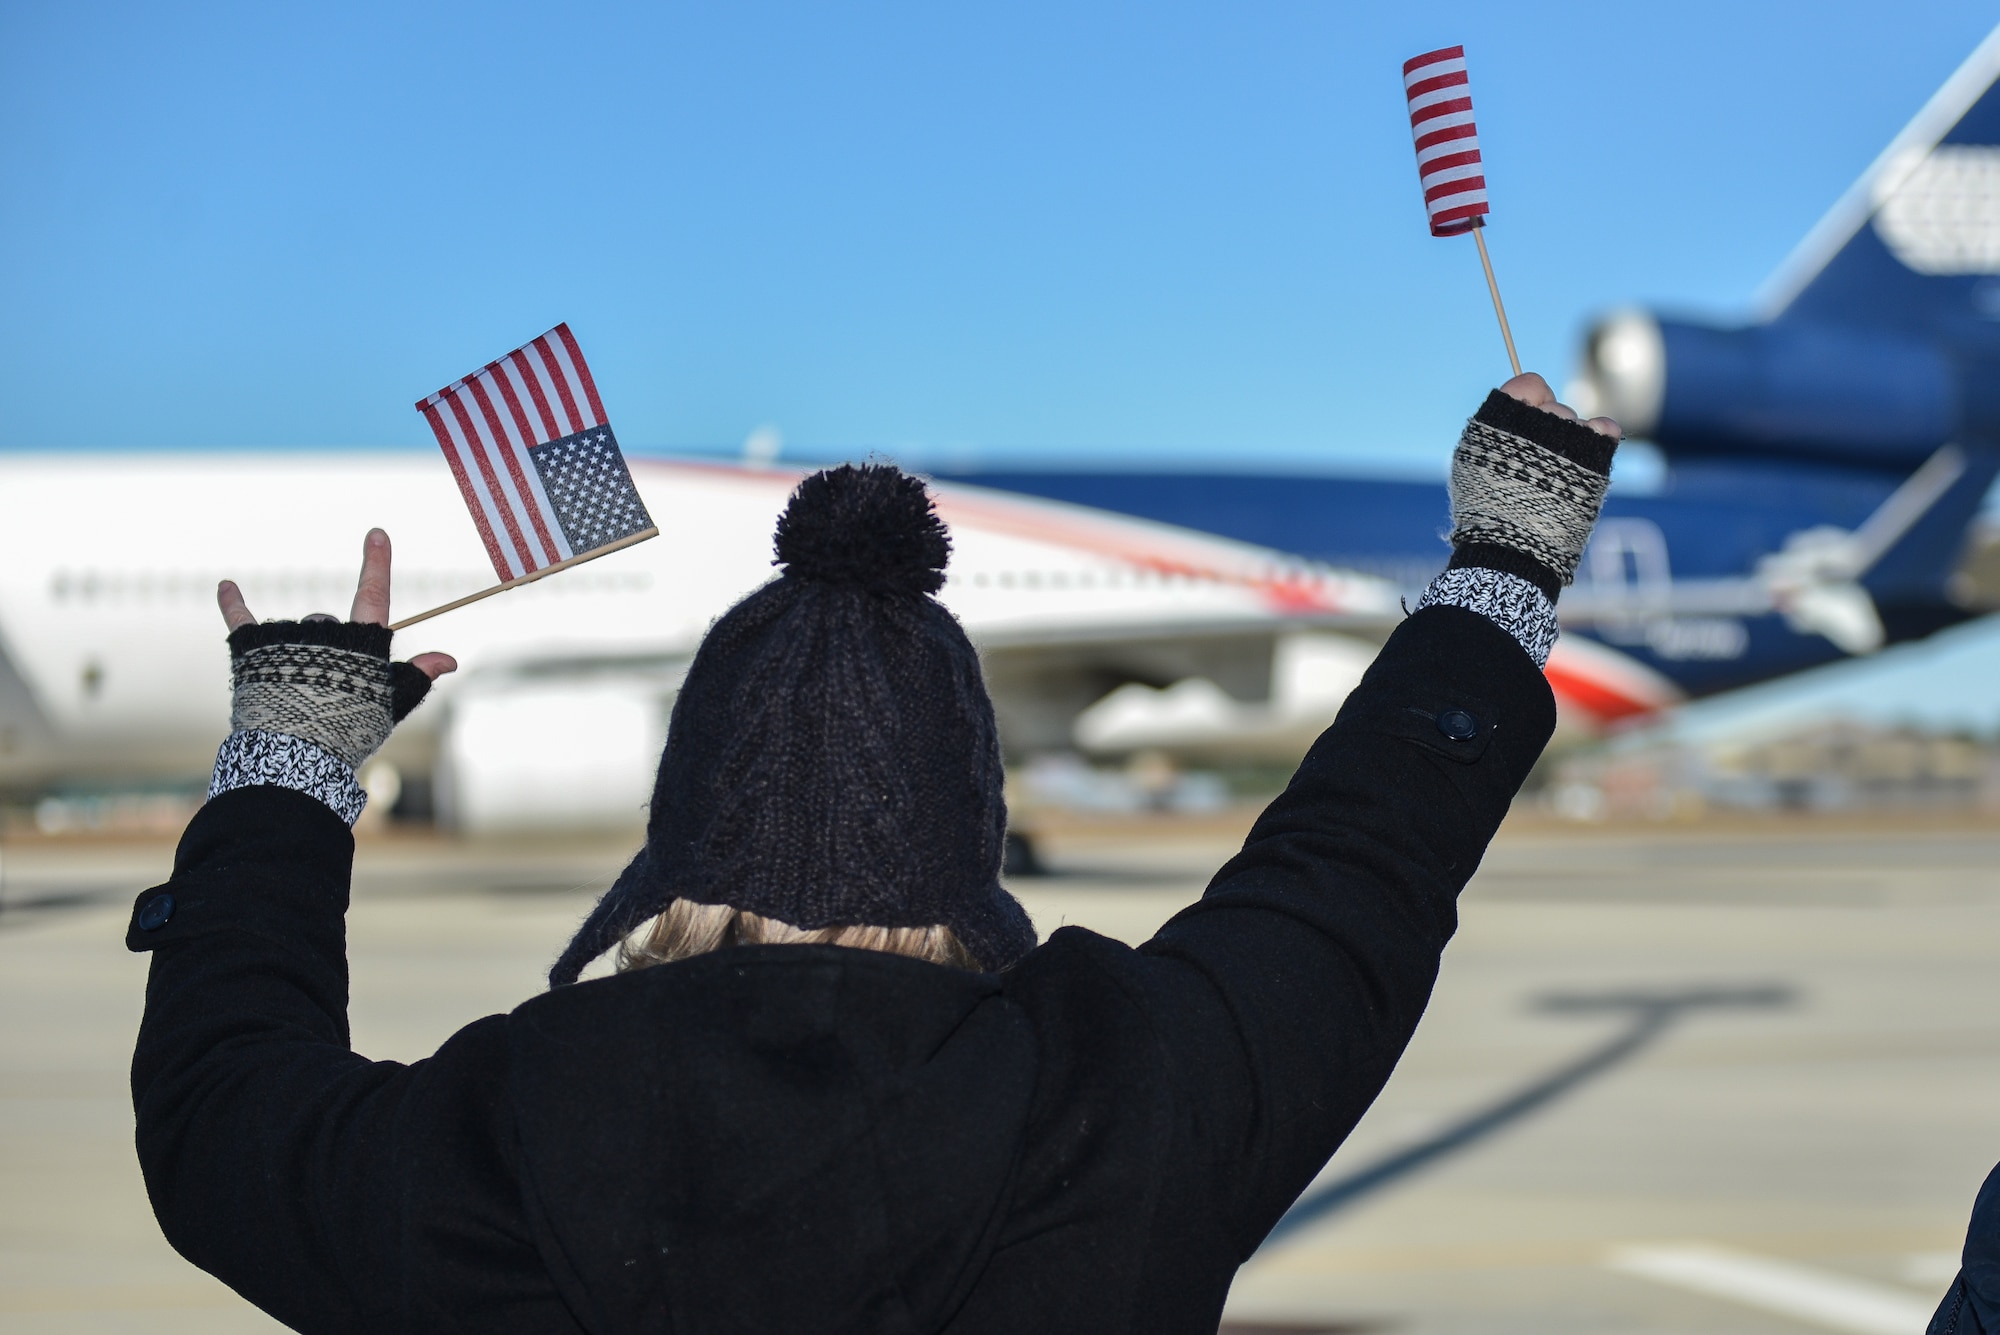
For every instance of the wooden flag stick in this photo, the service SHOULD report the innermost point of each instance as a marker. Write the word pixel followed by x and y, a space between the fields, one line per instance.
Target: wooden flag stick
pixel 543 573
pixel 1486 262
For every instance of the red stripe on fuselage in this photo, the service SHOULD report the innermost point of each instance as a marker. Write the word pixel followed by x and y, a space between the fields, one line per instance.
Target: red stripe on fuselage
pixel 1599 699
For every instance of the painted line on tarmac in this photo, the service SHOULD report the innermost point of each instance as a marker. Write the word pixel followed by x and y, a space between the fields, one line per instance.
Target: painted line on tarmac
pixel 1804 1293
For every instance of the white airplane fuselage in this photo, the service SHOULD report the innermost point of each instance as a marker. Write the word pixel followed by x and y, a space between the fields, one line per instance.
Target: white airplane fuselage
pixel 112 662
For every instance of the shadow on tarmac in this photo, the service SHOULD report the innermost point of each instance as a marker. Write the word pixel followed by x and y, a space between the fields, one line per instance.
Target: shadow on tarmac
pixel 1651 1015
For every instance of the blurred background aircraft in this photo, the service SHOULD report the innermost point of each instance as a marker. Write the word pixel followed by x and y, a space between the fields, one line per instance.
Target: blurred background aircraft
pixel 111 666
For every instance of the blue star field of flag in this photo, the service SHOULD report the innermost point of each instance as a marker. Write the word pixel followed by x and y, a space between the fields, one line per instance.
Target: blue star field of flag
pixel 590 488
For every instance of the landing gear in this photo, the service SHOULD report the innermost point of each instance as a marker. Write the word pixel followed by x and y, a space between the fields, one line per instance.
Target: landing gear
pixel 1020 858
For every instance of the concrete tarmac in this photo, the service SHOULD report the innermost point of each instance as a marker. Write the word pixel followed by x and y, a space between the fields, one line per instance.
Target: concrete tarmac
pixel 1804 1162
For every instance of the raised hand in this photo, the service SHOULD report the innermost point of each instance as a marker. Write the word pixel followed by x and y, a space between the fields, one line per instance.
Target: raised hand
pixel 1527 486
pixel 1534 391
pixel 371 602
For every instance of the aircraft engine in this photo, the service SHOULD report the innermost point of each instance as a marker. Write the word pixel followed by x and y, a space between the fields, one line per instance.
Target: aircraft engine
pixel 1866 397
pixel 532 753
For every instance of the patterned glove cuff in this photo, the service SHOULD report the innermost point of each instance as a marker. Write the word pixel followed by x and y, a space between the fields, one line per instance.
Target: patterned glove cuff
pixel 251 758
pixel 1510 602
pixel 1526 488
pixel 326 682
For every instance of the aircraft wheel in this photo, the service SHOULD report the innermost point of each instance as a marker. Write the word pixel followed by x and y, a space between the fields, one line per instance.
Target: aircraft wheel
pixel 1020 858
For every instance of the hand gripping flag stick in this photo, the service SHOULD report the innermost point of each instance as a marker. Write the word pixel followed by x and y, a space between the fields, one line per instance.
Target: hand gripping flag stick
pixel 1448 162
pixel 527 440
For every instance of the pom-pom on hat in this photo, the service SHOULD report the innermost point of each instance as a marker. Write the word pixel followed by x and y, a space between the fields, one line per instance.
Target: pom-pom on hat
pixel 870 527
pixel 832 760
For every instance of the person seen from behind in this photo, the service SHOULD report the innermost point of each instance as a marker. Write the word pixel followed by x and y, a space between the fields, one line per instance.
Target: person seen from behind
pixel 833 1084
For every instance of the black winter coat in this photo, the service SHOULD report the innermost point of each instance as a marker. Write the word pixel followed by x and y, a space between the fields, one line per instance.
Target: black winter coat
pixel 799 1139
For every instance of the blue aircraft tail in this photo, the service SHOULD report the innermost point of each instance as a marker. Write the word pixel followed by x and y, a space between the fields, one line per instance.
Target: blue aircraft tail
pixel 1876 360
pixel 1911 580
pixel 1913 245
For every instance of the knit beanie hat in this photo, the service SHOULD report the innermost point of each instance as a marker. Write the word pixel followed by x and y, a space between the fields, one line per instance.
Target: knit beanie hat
pixel 832 760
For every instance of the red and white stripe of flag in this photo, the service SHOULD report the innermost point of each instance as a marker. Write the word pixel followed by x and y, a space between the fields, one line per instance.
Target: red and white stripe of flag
pixel 1448 163
pixel 486 424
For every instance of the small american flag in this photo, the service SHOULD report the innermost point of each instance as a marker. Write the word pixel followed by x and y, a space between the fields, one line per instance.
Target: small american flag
pixel 1448 163
pixel 541 472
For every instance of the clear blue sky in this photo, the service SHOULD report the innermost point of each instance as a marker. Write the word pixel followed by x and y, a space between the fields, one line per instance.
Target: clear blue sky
pixel 1124 231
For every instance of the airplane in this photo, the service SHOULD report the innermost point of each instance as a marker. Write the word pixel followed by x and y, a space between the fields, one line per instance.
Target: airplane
pixel 1825 463
pixel 112 667
pixel 1824 467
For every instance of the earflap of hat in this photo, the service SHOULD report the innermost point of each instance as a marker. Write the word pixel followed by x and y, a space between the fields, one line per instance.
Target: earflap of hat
pixel 635 896
pixel 996 929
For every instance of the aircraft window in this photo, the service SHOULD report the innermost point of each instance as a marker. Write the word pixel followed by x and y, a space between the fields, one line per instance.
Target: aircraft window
pixel 94 586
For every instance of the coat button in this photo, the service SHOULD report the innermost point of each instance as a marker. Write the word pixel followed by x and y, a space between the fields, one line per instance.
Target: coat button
pixel 155 913
pixel 1458 725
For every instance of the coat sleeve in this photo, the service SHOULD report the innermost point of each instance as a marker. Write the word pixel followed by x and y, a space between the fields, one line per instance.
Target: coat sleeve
pixel 1972 1306
pixel 275 1157
pixel 1285 996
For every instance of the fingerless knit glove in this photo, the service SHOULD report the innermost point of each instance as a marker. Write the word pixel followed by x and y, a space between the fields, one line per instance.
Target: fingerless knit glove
pixel 312 701
pixel 1526 489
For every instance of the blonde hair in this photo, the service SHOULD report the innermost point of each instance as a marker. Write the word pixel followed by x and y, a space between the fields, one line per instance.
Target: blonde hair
pixel 688 928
